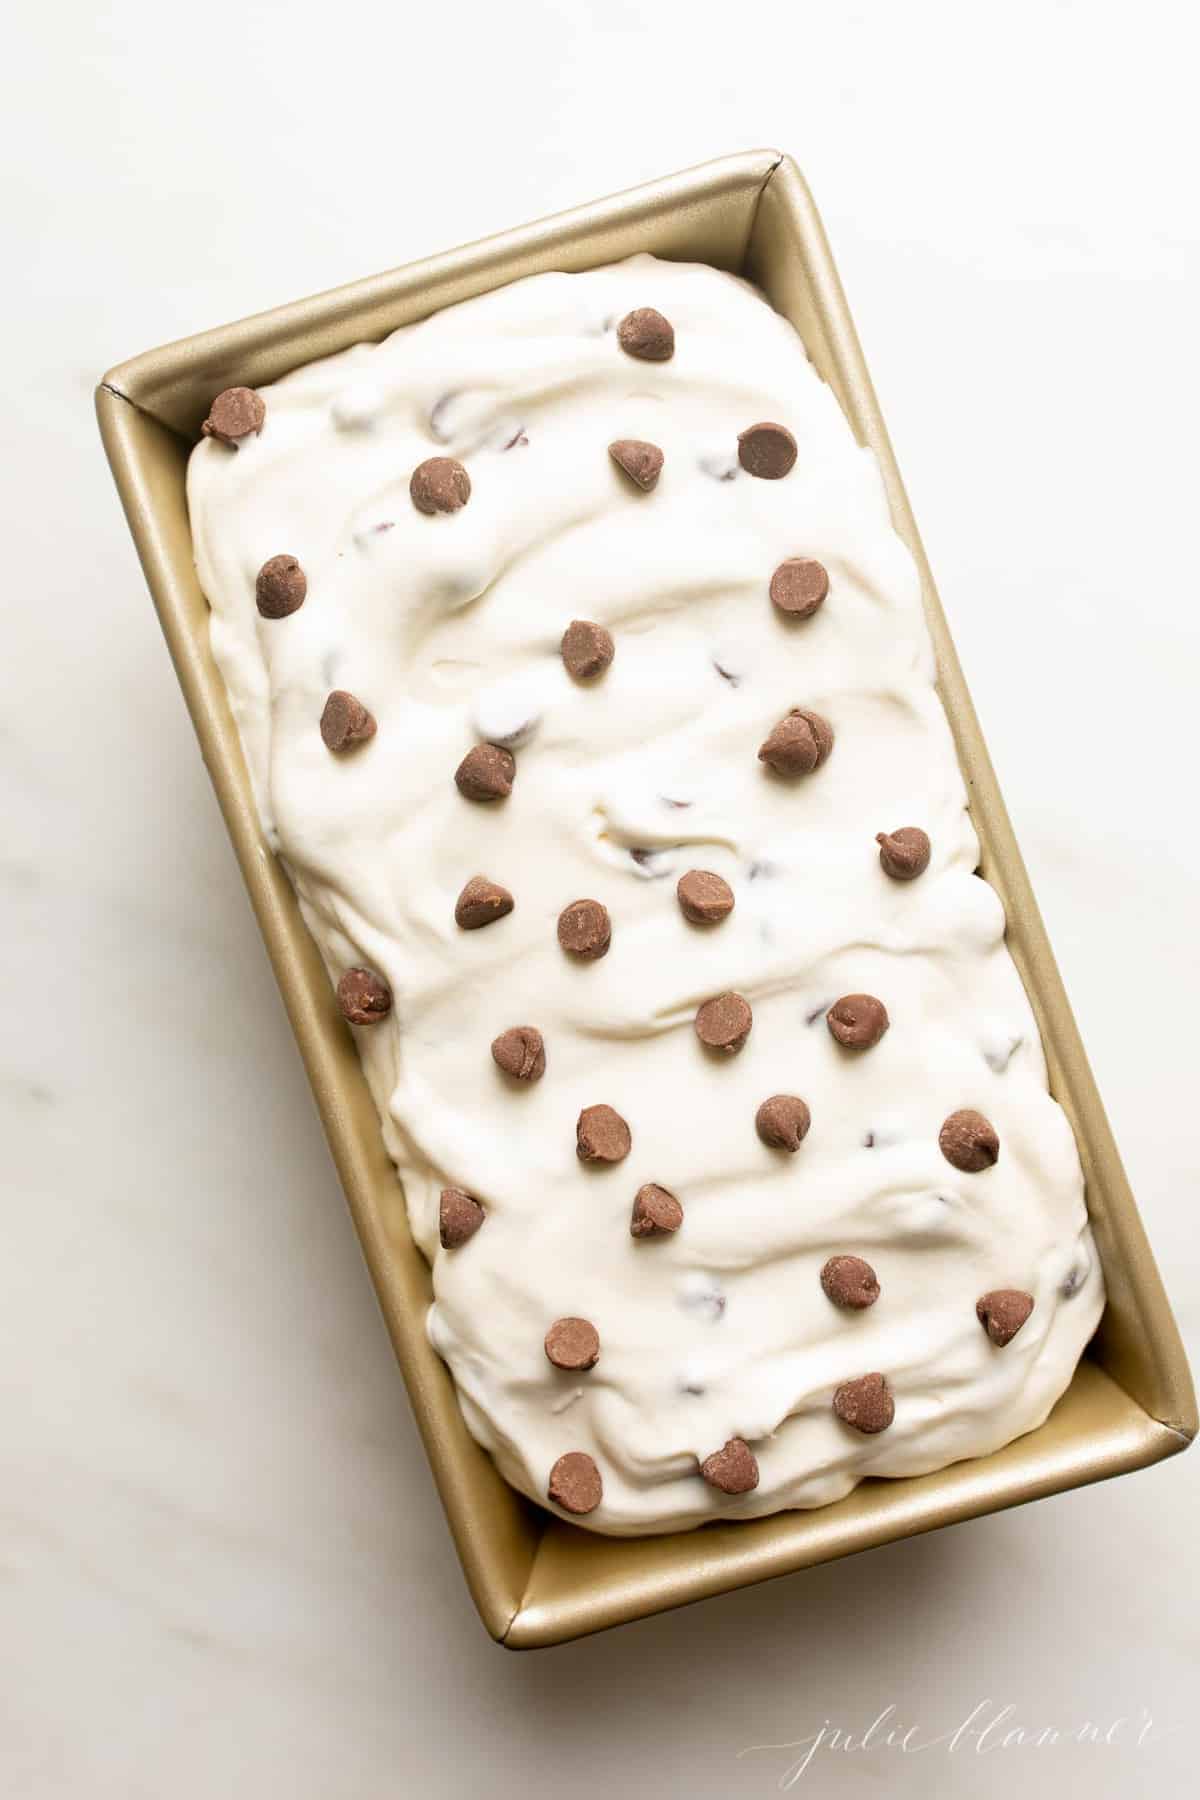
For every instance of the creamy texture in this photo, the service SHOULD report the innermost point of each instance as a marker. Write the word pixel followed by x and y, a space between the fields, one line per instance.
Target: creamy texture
pixel 448 629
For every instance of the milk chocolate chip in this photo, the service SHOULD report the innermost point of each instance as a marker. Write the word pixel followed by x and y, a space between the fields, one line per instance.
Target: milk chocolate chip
pixel 866 1404
pixel 587 649
pixel 656 1212
pixel 280 587
pixel 486 773
pixel 857 1021
pixel 363 997
pixel 345 721
pixel 903 854
pixel 520 1052
pixel 703 897
pixel 440 485
pixel 459 1218
pixel 723 1023
pixel 732 1469
pixel 645 334
pixel 766 450
pixel 234 414
pixel 585 929
pixel 849 1281
pixel 601 1135
pixel 783 1121
pixel 642 462
pixel 575 1483
pixel 1003 1312
pixel 798 586
pixel 800 743
pixel 573 1344
pixel 969 1141
pixel 481 902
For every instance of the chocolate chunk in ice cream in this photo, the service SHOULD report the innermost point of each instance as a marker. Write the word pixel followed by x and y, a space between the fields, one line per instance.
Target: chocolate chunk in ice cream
pixel 234 414
pixel 280 587
pixel 486 773
pixel 1003 1312
pixel 644 333
pixel 585 930
pixel 364 997
pixel 440 485
pixel 783 1121
pixel 587 649
pixel 520 1052
pixel 800 743
pixel 849 1281
pixel 969 1141
pixel 573 1344
pixel 703 897
pixel 766 450
pixel 575 1483
pixel 345 721
pixel 642 462
pixel 903 854
pixel 459 1218
pixel 857 1021
pixel 601 1135
pixel 732 1469
pixel 724 1022
pixel 481 902
pixel 798 586
pixel 866 1404
pixel 656 1212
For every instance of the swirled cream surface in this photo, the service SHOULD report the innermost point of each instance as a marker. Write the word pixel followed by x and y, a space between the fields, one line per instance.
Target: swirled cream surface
pixel 716 1338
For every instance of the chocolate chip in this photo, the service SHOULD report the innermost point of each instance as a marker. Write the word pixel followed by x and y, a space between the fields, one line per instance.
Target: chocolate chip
pixel 601 1135
pixel 575 1483
pixel 723 1023
pixel 234 414
pixel 1003 1312
pixel 798 586
pixel 903 854
pixel 585 930
pixel 345 721
pixel 573 1344
pixel 849 1281
pixel 1071 1283
pixel 486 773
pixel 703 897
pixel 364 997
pixel 858 1021
pixel 480 903
pixel 440 485
pixel 587 649
pixel 800 743
pixel 280 587
pixel 645 334
pixel 642 462
pixel 520 1052
pixel 656 1212
pixel 459 1218
pixel 969 1141
pixel 732 1469
pixel 783 1121
pixel 866 1404
pixel 652 863
pixel 766 450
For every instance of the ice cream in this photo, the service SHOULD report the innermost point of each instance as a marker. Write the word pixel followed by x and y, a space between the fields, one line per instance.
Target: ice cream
pixel 586 695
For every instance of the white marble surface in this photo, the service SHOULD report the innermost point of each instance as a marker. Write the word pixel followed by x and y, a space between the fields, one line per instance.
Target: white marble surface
pixel 224 1567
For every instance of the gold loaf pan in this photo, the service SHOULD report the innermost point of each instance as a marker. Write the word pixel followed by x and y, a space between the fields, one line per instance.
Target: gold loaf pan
pixel 536 1580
